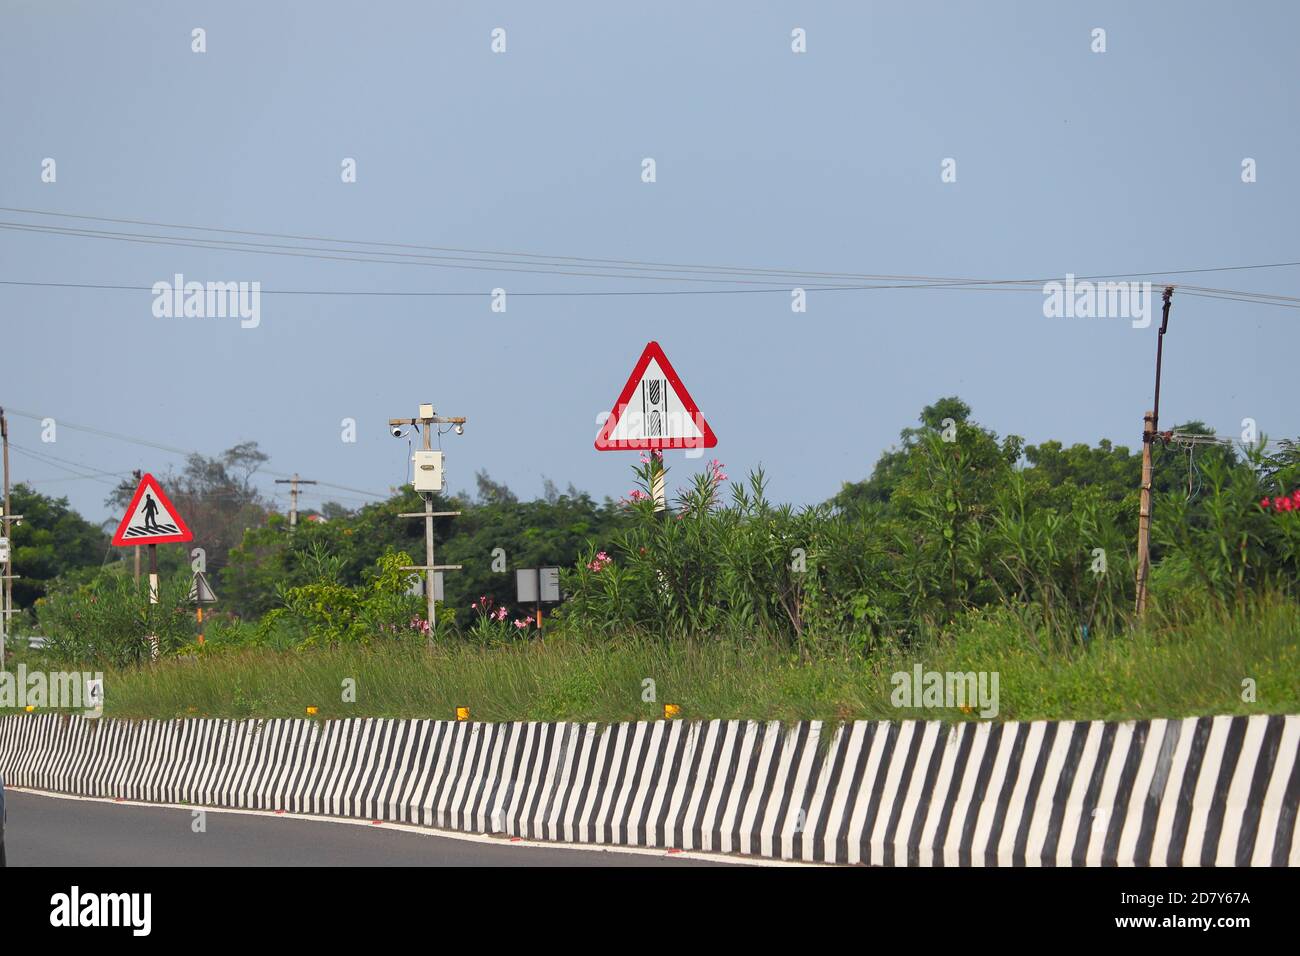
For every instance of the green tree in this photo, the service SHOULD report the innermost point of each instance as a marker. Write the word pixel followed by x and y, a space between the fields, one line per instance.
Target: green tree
pixel 52 540
pixel 891 467
pixel 531 534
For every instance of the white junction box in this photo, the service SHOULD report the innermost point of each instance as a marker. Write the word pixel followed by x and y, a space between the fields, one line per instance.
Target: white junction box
pixel 428 471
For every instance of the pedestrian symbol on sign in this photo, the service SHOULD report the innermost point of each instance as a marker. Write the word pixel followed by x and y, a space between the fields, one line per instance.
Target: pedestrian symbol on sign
pixel 150 512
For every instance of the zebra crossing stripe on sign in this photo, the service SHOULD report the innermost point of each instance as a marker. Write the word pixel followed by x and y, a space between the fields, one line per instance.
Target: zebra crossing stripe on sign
pixel 151 518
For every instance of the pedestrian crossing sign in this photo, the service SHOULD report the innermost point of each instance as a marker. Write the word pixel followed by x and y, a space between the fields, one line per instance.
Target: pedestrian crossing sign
pixel 151 518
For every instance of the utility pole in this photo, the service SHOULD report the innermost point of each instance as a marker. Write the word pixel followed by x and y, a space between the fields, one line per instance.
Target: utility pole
pixel 137 475
pixel 427 481
pixel 6 519
pixel 1150 426
pixel 293 484
pixel 7 522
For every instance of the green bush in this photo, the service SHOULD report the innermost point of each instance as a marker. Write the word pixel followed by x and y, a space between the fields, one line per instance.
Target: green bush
pixel 1223 541
pixel 107 621
pixel 326 611
pixel 964 528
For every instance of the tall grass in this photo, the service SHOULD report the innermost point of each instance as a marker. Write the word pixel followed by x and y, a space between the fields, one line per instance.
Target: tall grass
pixel 1176 666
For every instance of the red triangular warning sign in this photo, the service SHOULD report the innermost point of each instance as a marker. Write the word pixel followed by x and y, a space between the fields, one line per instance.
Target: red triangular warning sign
pixel 151 518
pixel 655 410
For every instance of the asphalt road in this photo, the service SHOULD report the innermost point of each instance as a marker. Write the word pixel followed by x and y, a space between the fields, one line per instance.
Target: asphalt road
pixel 50 831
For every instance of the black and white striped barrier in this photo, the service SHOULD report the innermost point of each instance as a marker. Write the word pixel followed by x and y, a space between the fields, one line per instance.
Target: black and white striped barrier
pixel 1201 791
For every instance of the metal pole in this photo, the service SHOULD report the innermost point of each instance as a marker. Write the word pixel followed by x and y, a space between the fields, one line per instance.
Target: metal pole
pixel 427 432
pixel 658 487
pixel 426 421
pixel 1160 348
pixel 153 597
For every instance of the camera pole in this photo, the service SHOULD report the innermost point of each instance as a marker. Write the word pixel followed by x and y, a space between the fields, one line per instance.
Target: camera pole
pixel 427 487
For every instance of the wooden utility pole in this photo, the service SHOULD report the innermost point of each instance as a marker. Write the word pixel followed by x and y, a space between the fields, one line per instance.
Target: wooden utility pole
pixel 1144 513
pixel 293 484
pixel 137 475
pixel 6 520
pixel 1150 425
pixel 428 481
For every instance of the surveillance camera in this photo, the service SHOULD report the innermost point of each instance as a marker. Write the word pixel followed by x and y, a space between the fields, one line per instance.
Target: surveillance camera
pixel 396 430
pixel 460 429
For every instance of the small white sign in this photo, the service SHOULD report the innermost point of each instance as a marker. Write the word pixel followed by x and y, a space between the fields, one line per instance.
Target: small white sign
pixel 94 697
pixel 550 584
pixel 537 585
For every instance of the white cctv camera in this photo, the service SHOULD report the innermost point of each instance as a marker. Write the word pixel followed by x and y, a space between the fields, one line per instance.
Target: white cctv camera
pixel 396 430
pixel 460 429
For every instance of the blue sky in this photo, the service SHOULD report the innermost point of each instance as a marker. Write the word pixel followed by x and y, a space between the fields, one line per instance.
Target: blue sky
pixel 1067 161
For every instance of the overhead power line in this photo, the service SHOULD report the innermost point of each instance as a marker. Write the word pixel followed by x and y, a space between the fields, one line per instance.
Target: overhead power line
pixel 557 293
pixel 605 262
pixel 80 472
pixel 102 433
pixel 562 265
pixel 365 256
pixel 41 453
pixel 1225 294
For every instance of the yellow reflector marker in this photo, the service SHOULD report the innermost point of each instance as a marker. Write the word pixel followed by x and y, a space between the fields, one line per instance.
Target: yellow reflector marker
pixel 671 711
pixel 312 711
pixel 462 713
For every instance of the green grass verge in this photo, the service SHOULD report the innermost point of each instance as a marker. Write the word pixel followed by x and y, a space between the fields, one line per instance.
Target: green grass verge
pixel 1193 667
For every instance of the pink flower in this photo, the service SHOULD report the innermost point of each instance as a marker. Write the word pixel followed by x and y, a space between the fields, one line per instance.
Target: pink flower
pixel 500 614
pixel 522 622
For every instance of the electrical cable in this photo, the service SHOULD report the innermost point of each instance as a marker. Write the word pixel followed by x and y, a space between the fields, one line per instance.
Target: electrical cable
pixel 637 263
pixel 174 450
